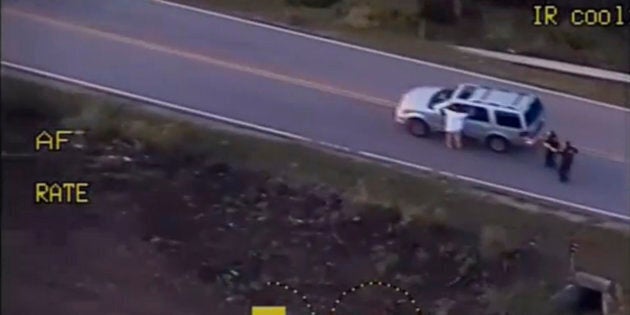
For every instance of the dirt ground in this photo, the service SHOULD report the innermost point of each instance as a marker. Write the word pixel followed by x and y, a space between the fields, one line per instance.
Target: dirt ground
pixel 172 236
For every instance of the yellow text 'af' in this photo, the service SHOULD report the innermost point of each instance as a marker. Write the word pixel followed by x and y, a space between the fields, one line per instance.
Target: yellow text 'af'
pixel 269 310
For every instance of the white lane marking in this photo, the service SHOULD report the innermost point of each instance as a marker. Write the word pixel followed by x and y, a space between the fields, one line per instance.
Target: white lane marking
pixel 289 135
pixel 499 187
pixel 334 146
pixel 395 161
pixel 386 54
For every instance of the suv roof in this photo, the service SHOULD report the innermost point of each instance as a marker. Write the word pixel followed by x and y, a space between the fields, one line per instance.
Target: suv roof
pixel 496 97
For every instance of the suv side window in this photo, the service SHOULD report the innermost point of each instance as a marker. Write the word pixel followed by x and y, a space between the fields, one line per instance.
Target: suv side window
pixel 509 120
pixel 476 113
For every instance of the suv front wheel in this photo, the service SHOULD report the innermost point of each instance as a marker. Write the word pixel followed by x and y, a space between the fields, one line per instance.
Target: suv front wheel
pixel 498 144
pixel 417 127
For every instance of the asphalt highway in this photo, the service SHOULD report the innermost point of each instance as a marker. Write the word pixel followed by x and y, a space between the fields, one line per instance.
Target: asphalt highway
pixel 295 84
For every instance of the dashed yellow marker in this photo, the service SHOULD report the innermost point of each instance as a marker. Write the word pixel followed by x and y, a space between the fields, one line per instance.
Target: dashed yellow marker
pixel 269 310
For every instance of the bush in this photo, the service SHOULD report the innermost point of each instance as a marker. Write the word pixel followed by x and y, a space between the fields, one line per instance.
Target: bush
pixel 404 19
pixel 493 241
pixel 571 37
pixel 514 3
pixel 361 16
pixel 519 299
pixel 20 99
pixel 442 11
pixel 177 139
pixel 100 121
pixel 368 16
pixel 433 218
pixel 312 3
pixel 499 36
pixel 564 4
pixel 295 19
pixel 103 122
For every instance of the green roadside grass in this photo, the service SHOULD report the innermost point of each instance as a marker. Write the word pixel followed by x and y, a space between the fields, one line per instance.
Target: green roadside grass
pixel 394 38
pixel 426 199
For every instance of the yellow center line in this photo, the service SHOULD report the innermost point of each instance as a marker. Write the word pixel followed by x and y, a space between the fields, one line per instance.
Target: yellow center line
pixel 234 66
pixel 201 58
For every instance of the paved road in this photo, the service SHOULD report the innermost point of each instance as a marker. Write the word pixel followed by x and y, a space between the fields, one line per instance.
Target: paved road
pixel 231 69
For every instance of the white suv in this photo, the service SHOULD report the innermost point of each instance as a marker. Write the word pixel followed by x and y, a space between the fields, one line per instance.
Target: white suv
pixel 499 118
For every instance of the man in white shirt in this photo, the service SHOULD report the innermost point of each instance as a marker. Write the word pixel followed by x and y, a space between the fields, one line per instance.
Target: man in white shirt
pixel 454 125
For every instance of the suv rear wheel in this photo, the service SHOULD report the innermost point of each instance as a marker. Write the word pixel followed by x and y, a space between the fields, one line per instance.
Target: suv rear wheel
pixel 498 144
pixel 418 127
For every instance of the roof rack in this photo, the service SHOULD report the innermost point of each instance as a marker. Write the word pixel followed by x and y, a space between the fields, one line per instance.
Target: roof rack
pixel 518 98
pixel 486 93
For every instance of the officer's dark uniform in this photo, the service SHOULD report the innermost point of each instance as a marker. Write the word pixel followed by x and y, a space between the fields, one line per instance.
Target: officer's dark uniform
pixel 566 155
pixel 551 146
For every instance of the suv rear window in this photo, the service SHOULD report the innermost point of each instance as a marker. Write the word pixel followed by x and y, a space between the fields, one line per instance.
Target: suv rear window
pixel 505 119
pixel 533 112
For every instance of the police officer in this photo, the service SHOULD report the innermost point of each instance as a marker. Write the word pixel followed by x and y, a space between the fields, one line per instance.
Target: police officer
pixel 552 145
pixel 566 161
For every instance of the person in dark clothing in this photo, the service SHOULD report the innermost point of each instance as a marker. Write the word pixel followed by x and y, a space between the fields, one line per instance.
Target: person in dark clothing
pixel 566 155
pixel 552 145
